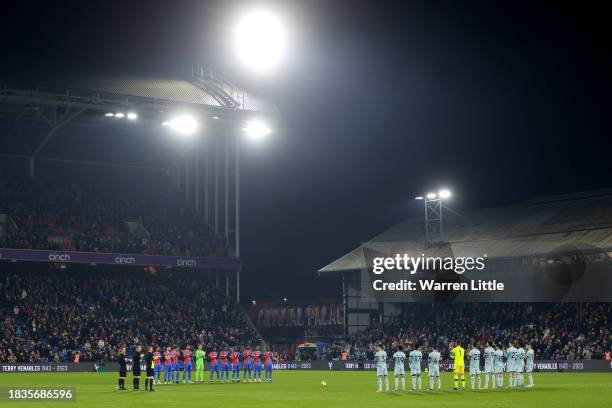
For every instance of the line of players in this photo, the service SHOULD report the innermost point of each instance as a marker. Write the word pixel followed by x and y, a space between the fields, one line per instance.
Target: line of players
pixel 518 361
pixel 225 365
pixel 168 364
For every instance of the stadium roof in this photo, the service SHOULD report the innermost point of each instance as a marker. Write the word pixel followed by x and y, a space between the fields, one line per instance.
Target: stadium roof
pixel 537 227
pixel 204 91
pixel 35 110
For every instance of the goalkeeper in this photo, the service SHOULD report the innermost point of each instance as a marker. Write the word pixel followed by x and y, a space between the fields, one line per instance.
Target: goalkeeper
pixel 199 357
pixel 458 354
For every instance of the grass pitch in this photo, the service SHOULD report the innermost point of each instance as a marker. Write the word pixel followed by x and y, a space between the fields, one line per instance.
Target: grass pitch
pixel 297 389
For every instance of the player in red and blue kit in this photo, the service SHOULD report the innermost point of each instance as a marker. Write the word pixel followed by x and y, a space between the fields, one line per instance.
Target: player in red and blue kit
pixel 267 356
pixel 257 365
pixel 214 365
pixel 187 366
pixel 157 365
pixel 235 360
pixel 247 364
pixel 224 366
pixel 176 367
pixel 167 366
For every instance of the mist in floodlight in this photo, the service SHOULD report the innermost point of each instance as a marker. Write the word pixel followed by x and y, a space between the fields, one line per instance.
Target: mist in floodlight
pixel 109 114
pixel 261 39
pixel 431 196
pixel 184 124
pixel 256 129
pixel 132 115
pixel 444 193
pixel 120 115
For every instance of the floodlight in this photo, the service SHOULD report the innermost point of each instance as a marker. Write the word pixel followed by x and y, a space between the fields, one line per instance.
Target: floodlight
pixel 418 197
pixel 215 117
pixel 256 129
pixel 260 40
pixel 431 196
pixel 109 114
pixel 184 124
pixel 132 116
pixel 444 193
pixel 119 115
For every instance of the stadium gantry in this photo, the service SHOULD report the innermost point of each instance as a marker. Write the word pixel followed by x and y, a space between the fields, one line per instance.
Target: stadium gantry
pixel 50 117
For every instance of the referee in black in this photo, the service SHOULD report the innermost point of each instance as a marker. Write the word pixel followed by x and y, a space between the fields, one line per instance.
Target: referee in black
pixel 136 368
pixel 122 360
pixel 150 373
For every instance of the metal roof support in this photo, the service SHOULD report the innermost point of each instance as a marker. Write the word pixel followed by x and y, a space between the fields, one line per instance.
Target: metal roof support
pixel 58 124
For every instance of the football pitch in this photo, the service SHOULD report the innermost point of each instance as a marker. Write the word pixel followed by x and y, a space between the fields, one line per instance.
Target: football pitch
pixel 303 389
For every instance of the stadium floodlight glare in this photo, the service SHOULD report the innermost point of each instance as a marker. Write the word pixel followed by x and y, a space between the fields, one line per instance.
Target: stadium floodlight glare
pixel 261 39
pixel 431 196
pixel 256 129
pixel 132 116
pixel 184 124
pixel 418 197
pixel 109 114
pixel 444 193
pixel 119 115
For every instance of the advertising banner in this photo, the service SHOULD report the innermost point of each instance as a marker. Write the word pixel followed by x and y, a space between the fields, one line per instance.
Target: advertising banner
pixel 9 254
pixel 320 365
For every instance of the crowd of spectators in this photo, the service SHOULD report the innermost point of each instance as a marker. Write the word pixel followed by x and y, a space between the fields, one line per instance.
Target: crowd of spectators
pixel 559 331
pixel 50 315
pixel 101 214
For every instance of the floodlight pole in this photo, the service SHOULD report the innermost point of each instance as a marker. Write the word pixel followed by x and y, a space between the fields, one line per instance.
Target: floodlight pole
pixel 433 220
pixel 237 212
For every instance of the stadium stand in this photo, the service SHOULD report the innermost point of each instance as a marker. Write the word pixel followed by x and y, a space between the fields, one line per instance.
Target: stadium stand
pixel 98 214
pixel 560 331
pixel 49 314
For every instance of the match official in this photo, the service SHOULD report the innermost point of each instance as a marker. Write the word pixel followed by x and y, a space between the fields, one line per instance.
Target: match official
pixel 150 364
pixel 136 368
pixel 122 360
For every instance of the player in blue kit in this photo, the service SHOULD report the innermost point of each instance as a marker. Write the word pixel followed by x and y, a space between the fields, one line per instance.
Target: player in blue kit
pixel 176 365
pixel 225 371
pixel 247 364
pixel 214 366
pixel 268 365
pixel 235 361
pixel 157 361
pixel 257 365
pixel 187 365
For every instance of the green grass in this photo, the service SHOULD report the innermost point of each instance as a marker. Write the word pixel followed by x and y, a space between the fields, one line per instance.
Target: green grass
pixel 297 389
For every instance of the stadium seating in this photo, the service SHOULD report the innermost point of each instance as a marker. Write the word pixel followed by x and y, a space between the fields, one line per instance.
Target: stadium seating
pixel 49 314
pixel 103 215
pixel 559 331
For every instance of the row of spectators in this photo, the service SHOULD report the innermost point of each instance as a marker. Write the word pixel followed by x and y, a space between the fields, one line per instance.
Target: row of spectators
pixel 92 214
pixel 560 331
pixel 51 315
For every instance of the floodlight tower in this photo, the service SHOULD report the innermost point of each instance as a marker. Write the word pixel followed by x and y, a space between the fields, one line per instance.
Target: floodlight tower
pixel 434 230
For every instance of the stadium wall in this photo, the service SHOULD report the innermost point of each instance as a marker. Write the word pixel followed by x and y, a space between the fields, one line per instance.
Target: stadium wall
pixel 591 366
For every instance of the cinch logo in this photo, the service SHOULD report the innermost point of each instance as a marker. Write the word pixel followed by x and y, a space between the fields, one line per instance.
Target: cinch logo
pixel 59 257
pixel 186 262
pixel 125 260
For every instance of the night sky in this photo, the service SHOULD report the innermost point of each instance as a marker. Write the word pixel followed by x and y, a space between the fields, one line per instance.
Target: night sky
pixel 499 101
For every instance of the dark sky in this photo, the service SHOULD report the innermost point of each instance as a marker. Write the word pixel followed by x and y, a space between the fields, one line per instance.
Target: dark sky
pixel 500 101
